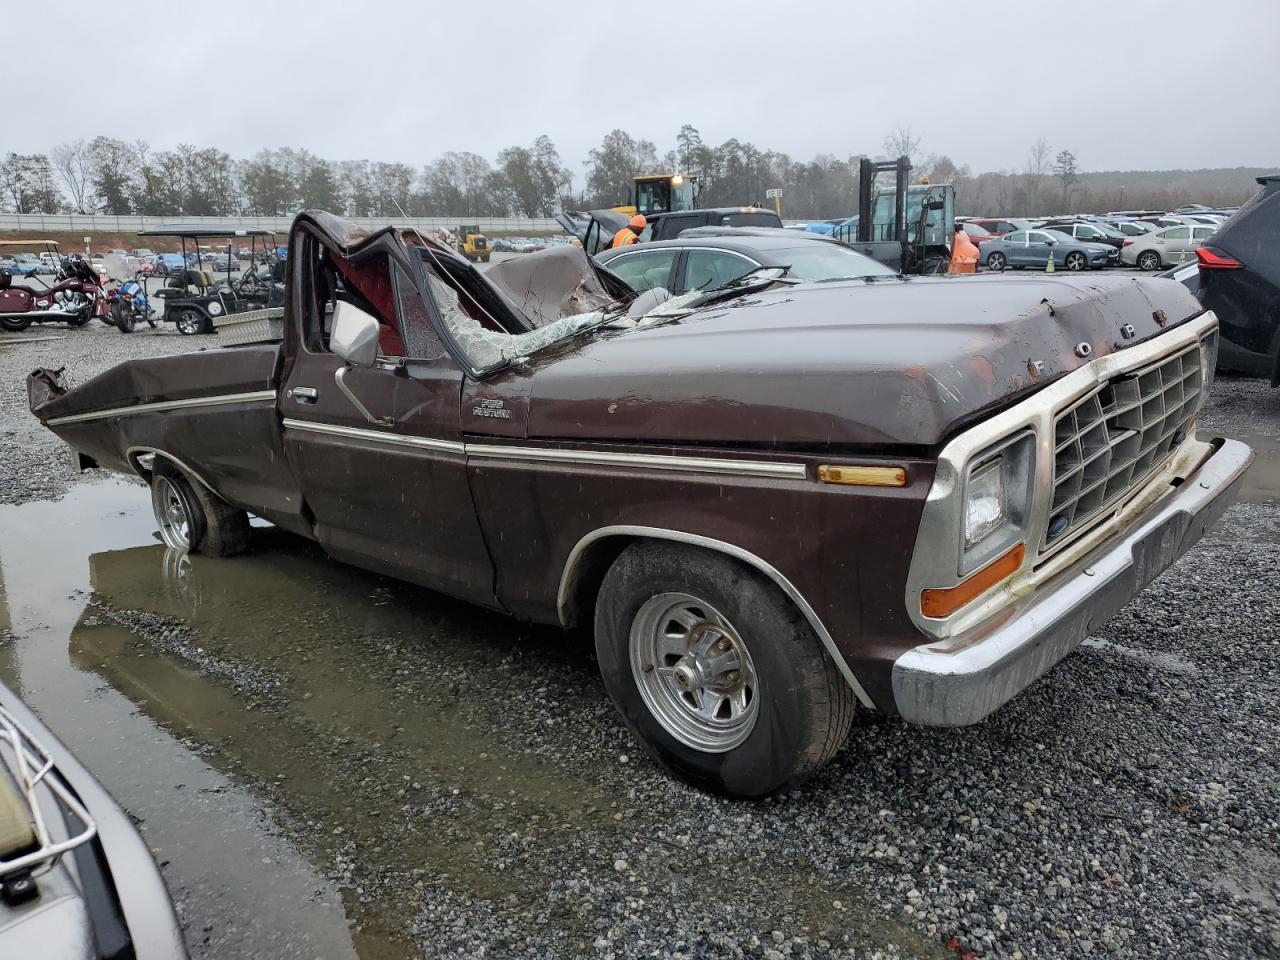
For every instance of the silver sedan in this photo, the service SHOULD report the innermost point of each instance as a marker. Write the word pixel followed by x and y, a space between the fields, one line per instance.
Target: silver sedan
pixel 1033 248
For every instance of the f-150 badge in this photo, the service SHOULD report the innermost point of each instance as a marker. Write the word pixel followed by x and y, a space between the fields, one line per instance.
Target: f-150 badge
pixel 492 408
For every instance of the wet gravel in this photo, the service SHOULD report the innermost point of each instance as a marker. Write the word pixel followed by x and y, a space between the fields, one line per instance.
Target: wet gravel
pixel 1128 805
pixel 38 465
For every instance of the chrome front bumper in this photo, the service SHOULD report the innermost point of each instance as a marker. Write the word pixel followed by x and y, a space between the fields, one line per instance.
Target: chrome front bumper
pixel 961 680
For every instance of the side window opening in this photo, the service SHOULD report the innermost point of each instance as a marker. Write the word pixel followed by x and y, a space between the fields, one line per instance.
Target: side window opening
pixel 365 283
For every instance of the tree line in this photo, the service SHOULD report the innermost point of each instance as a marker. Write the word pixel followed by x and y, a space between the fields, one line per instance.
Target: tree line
pixel 114 176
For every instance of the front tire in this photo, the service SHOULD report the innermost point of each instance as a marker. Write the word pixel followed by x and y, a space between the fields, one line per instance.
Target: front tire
pixel 191 518
pixel 1076 261
pixel 716 672
pixel 996 261
pixel 122 318
pixel 1148 260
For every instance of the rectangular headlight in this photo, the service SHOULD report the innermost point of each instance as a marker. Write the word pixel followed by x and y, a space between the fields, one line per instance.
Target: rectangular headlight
pixel 997 501
pixel 984 506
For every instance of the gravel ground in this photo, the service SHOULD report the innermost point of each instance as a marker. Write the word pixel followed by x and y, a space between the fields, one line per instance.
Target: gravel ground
pixel 1128 805
pixel 37 465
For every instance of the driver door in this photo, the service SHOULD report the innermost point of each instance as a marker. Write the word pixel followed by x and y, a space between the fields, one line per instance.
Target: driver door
pixel 391 496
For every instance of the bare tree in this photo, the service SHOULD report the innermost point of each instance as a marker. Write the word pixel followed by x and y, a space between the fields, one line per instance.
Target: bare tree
pixel 1037 168
pixel 71 162
pixel 902 142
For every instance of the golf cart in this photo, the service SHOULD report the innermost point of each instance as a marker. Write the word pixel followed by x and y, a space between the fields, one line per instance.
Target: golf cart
pixel 194 297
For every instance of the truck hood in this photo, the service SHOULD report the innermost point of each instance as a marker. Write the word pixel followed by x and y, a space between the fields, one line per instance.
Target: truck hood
pixel 849 363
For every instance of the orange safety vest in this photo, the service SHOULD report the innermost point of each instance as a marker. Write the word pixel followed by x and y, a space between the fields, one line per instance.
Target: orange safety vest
pixel 623 237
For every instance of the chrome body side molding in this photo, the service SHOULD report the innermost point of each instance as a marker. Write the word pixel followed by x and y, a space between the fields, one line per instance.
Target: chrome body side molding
pixel 376 436
pixel 160 406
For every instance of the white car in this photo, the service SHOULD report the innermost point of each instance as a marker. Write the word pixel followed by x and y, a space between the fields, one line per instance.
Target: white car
pixel 1135 228
pixel 1164 248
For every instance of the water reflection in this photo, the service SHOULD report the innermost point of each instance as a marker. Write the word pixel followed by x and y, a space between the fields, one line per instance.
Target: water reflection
pixel 239 887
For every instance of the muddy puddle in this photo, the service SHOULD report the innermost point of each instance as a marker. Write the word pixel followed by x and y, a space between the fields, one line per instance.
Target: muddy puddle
pixel 333 764
pixel 1262 482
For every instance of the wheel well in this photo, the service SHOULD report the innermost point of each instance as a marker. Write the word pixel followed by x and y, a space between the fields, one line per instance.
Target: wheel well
pixel 590 560
pixel 146 461
pixel 584 572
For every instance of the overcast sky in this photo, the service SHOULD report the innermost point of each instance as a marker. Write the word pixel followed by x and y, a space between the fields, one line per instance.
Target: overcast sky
pixel 1127 84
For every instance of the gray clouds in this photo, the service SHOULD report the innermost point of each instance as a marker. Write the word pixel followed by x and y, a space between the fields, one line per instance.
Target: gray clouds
pixel 407 81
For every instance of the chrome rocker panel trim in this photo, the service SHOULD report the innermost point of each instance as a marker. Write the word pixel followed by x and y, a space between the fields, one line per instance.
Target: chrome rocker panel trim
pixel 959 681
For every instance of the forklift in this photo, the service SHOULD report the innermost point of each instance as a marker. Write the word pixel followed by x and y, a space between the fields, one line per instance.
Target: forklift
pixel 471 243
pixel 663 193
pixel 907 227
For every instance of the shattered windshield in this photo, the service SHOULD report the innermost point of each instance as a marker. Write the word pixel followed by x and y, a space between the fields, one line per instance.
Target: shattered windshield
pixel 480 335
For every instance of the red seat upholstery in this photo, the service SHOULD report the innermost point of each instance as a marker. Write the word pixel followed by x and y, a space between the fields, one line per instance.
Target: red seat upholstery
pixel 372 280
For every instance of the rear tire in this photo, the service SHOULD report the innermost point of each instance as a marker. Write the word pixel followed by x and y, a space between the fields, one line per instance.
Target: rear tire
pixel 191 322
pixel 996 261
pixel 1148 260
pixel 191 518
pixel 14 326
pixel 678 626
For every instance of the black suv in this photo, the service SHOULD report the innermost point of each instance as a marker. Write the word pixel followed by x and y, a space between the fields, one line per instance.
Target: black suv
pixel 1240 282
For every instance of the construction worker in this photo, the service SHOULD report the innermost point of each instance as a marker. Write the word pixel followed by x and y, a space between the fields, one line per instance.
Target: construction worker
pixel 964 254
pixel 631 232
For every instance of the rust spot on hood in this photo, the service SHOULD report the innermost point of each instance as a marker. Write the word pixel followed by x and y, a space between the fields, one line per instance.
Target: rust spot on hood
pixel 984 370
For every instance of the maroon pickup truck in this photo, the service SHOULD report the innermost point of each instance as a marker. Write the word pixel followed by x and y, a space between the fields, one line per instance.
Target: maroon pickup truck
pixel 774 503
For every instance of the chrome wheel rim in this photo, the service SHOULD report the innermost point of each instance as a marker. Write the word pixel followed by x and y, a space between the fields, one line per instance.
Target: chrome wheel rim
pixel 1075 261
pixel 171 513
pixel 995 262
pixel 1148 262
pixel 694 672
pixel 188 322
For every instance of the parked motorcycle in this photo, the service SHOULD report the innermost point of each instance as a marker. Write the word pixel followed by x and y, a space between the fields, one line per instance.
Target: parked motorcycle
pixel 76 298
pixel 129 305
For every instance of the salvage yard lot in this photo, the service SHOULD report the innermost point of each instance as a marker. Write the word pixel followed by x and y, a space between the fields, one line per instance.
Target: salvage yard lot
pixel 340 745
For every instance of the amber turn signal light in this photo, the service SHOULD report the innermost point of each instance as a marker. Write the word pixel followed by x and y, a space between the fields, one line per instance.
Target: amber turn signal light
pixel 864 476
pixel 943 603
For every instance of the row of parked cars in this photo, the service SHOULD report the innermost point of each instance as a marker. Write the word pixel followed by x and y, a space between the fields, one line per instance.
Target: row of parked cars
pixel 1149 242
pixel 29 264
pixel 1229 259
pixel 529 244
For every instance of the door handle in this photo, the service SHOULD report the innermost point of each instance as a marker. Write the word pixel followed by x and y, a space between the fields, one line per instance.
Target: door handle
pixel 304 394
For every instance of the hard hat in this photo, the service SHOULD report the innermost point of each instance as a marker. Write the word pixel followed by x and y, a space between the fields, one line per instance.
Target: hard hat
pixel 638 222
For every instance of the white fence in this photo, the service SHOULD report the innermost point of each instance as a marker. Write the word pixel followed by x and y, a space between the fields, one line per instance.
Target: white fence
pixel 88 223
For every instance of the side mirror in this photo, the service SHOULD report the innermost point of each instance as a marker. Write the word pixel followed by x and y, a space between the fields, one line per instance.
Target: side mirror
pixel 355 335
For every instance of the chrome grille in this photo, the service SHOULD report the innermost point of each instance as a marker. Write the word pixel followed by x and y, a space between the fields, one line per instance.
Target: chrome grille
pixel 1108 443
